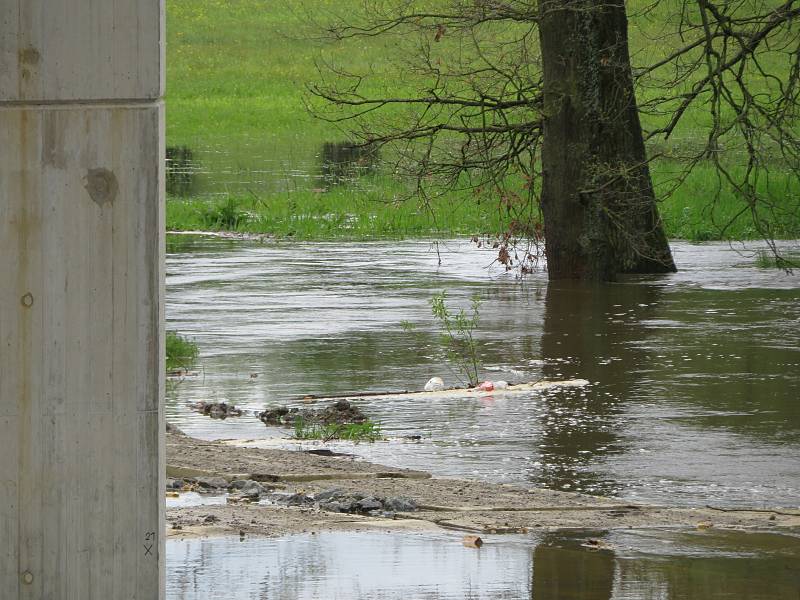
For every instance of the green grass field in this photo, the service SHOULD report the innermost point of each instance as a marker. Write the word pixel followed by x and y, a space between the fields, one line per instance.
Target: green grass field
pixel 236 77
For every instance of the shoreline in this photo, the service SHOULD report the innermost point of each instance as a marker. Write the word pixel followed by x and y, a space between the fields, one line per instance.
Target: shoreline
pixel 468 506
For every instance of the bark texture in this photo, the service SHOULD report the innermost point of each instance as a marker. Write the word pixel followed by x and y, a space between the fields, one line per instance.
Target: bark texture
pixel 599 209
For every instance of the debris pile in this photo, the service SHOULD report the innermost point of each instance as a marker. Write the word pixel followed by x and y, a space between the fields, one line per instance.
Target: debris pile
pixel 338 413
pixel 337 500
pixel 216 410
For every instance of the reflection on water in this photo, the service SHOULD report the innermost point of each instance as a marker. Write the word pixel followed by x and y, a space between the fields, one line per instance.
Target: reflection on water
pixel 581 326
pixel 637 565
pixel 694 375
pixel 344 162
pixel 181 168
pixel 258 166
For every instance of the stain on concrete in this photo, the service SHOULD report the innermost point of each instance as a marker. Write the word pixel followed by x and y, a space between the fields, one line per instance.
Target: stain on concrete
pixel 53 147
pixel 29 56
pixel 29 59
pixel 102 186
pixel 27 300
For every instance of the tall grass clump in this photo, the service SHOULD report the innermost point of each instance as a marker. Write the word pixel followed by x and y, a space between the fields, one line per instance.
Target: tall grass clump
pixel 181 352
pixel 352 432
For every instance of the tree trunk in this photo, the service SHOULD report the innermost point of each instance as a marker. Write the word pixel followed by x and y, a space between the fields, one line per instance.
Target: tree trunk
pixel 599 209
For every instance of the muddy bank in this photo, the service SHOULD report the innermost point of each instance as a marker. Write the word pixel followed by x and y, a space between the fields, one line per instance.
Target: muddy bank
pixel 321 485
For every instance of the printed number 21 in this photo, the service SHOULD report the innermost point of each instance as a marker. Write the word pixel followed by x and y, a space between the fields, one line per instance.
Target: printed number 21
pixel 149 543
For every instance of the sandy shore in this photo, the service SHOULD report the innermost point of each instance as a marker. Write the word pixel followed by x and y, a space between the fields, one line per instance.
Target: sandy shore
pixel 469 506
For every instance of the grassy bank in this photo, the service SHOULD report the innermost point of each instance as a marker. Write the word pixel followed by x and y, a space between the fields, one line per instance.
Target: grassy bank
pixel 236 73
pixel 694 211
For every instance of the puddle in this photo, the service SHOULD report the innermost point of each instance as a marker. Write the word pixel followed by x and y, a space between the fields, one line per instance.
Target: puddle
pixel 694 376
pixel 638 565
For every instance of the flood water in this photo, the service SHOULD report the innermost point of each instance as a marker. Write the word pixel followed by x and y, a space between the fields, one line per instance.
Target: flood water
pixel 695 377
pixel 261 166
pixel 637 565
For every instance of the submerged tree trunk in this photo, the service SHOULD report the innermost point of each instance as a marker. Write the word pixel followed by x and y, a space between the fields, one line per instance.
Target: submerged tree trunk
pixel 599 209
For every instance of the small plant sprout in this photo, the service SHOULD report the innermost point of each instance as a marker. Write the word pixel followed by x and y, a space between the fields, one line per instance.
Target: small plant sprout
pixel 457 335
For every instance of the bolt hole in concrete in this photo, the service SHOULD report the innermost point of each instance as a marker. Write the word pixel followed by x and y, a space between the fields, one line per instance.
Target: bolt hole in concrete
pixel 630 565
pixel 27 300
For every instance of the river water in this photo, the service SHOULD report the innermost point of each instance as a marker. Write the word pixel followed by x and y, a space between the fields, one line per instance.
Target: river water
pixel 693 400
pixel 695 377
pixel 637 565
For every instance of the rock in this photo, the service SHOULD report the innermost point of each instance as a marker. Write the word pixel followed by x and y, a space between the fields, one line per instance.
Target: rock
pixel 210 519
pixel 501 385
pixel 346 506
pixel 400 504
pixel 174 484
pixel 435 384
pixel 329 494
pixel 251 489
pixel 276 416
pixel 238 484
pixel 334 506
pixel 486 386
pixel 216 410
pixel 472 541
pixel 298 500
pixel 211 483
pixel 369 504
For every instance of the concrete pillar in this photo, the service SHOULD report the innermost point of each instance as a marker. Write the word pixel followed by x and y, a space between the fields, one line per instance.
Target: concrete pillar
pixel 81 299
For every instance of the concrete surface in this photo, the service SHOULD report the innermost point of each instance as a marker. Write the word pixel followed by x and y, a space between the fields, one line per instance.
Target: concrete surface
pixel 81 299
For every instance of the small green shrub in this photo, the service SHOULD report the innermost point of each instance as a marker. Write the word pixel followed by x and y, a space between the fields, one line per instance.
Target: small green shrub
pixel 457 335
pixel 182 352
